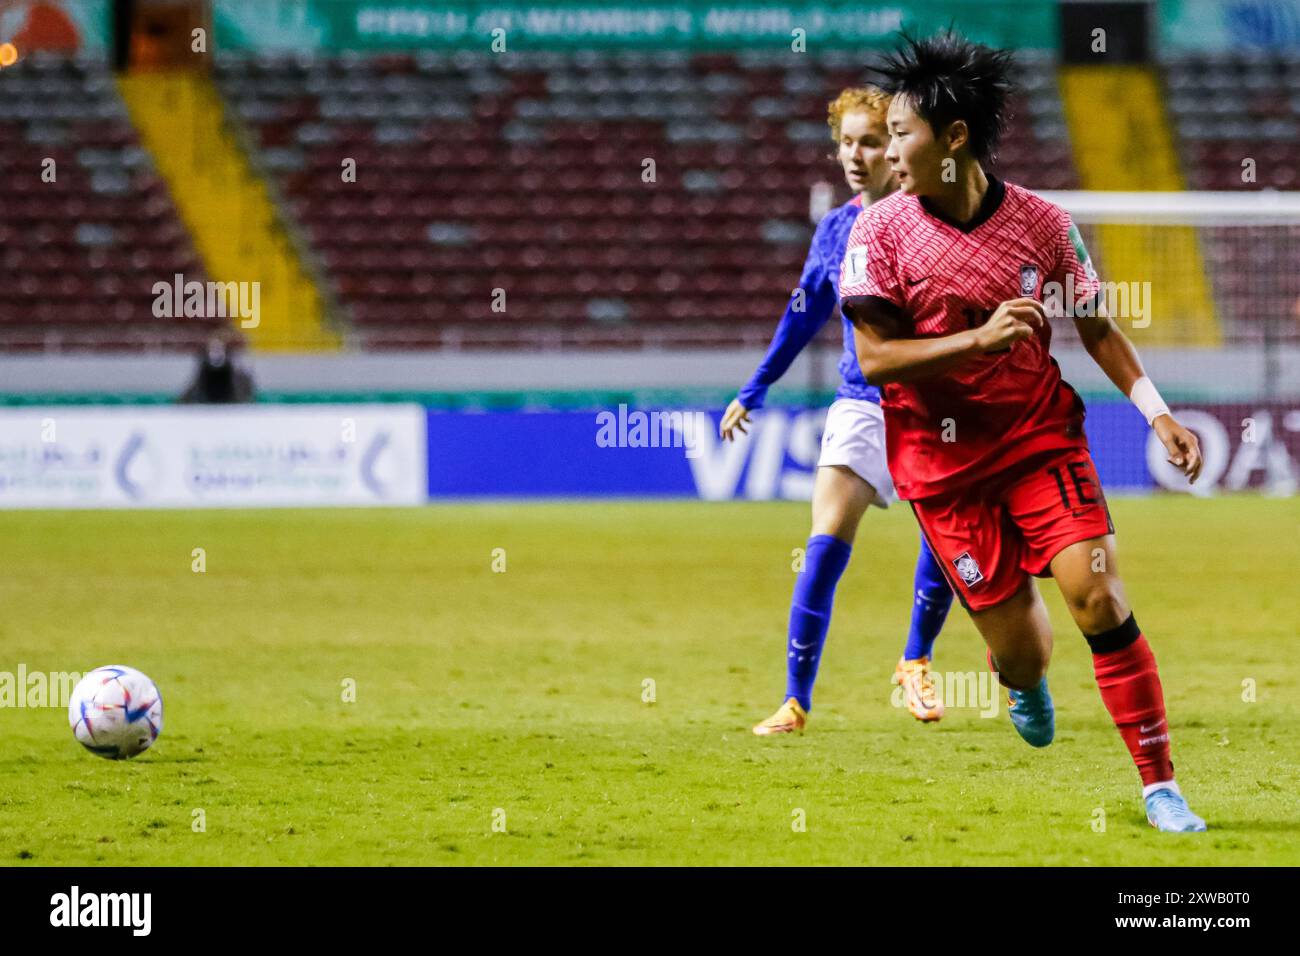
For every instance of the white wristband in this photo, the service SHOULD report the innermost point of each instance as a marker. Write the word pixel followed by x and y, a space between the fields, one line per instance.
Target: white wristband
pixel 1143 394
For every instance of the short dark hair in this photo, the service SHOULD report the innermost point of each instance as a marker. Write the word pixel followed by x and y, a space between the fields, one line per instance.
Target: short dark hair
pixel 946 77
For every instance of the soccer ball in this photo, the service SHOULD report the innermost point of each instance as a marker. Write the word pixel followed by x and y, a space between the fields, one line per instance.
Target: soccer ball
pixel 116 712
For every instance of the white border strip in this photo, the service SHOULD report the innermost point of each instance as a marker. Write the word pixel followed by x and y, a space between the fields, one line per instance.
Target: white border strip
pixel 1265 207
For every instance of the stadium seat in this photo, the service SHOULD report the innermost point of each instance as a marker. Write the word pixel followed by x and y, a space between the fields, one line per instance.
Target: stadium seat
pixel 81 253
pixel 527 172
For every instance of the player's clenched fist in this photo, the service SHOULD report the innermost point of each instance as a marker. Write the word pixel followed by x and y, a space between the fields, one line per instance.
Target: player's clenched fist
pixel 1182 445
pixel 1012 321
pixel 733 420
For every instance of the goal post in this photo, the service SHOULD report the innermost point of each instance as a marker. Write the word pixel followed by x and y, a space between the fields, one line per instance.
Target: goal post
pixel 1208 285
pixel 1196 269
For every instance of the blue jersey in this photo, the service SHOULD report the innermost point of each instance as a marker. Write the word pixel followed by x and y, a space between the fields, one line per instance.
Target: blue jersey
pixel 820 285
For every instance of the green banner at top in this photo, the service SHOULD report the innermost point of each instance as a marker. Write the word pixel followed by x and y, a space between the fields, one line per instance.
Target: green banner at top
pixel 386 25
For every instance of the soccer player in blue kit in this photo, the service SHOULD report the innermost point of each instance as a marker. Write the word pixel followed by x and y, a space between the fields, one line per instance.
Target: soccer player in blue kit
pixel 851 473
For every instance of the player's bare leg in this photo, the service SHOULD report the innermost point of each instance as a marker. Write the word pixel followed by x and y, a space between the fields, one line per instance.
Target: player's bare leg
pixel 840 498
pixel 1087 575
pixel 1019 637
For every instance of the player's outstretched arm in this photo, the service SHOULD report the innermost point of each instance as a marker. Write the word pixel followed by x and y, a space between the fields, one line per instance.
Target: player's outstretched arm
pixel 885 358
pixel 808 310
pixel 803 319
pixel 1115 355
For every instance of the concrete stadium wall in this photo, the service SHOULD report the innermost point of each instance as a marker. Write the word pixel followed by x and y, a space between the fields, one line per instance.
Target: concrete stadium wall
pixel 1236 373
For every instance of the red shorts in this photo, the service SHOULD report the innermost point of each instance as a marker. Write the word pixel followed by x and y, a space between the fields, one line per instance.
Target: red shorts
pixel 990 537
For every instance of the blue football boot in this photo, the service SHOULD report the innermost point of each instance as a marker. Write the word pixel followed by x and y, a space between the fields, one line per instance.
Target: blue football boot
pixel 1032 714
pixel 1167 811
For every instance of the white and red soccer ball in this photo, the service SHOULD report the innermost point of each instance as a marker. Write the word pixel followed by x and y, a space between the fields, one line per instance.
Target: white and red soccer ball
pixel 116 712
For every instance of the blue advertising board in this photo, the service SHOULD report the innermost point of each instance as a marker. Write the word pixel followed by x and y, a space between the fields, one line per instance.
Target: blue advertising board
pixel 622 452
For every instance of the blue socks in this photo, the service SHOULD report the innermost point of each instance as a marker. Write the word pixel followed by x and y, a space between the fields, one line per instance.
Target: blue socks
pixel 814 593
pixel 810 613
pixel 933 598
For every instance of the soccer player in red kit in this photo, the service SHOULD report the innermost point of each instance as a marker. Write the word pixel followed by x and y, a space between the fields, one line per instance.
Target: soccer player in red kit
pixel 949 283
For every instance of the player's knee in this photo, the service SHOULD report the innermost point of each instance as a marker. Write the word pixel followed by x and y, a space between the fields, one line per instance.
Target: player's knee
pixel 1099 607
pixel 839 520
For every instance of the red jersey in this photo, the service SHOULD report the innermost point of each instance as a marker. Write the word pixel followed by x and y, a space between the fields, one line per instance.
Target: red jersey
pixel 995 409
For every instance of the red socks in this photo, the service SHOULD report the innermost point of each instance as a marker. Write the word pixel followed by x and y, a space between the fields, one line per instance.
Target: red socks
pixel 1130 689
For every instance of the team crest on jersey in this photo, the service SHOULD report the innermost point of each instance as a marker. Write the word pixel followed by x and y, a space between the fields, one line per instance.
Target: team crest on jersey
pixel 1028 280
pixel 969 569
pixel 855 265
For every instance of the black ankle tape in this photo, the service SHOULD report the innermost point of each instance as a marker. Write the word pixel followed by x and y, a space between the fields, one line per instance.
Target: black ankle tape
pixel 1116 639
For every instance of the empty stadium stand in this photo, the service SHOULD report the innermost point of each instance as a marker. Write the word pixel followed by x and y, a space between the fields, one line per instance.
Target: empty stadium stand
pixel 613 199
pixel 87 226
pixel 531 174
pixel 1231 108
pixel 1238 123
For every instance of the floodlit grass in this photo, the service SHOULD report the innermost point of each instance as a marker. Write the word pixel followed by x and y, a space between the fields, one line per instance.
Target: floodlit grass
pixel 517 697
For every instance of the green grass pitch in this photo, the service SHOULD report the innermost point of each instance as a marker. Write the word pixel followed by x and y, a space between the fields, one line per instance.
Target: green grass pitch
pixel 499 716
